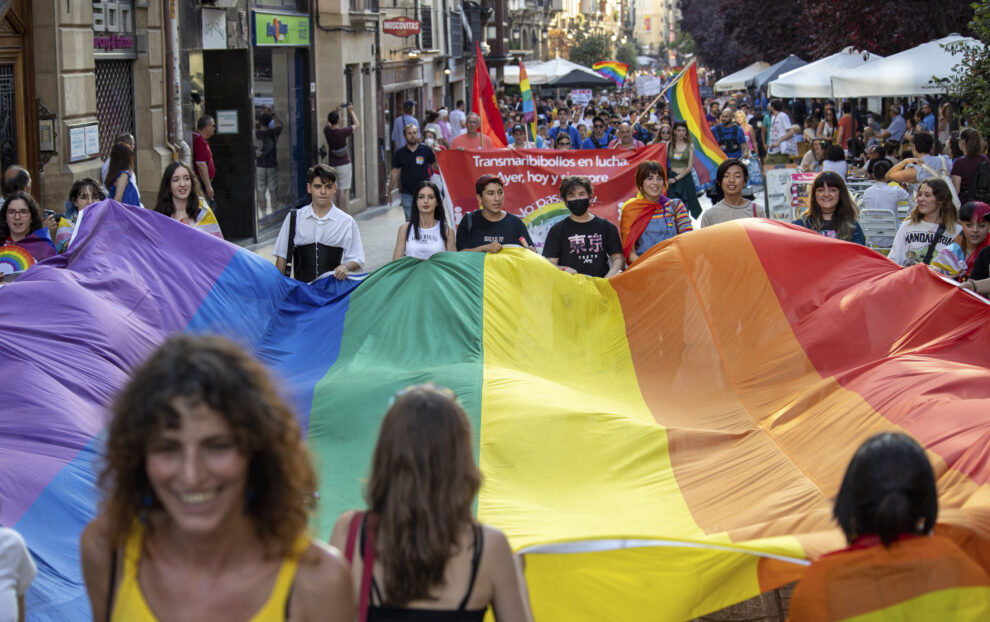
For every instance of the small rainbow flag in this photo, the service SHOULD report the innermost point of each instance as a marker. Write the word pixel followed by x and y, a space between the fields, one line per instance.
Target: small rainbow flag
pixel 14 258
pixel 613 70
pixel 529 109
pixel 685 104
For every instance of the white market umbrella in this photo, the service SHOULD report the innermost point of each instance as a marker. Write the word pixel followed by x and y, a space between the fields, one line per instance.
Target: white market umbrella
pixel 815 79
pixel 737 81
pixel 906 73
pixel 536 76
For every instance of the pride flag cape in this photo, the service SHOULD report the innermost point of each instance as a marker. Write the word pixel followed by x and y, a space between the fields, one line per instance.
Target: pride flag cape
pixel 613 70
pixel 685 104
pixel 660 445
pixel 484 101
pixel 529 110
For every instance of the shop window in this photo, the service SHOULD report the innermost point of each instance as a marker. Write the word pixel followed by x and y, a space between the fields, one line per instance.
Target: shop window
pixel 114 101
pixel 427 28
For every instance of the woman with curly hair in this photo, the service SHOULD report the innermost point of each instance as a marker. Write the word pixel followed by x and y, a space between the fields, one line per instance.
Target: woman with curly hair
pixel 207 492
pixel 179 197
pixel 418 553
pixel 931 225
pixel 831 211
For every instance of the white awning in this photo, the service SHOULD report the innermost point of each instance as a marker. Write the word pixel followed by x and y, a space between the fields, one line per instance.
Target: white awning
pixel 737 81
pixel 906 73
pixel 815 79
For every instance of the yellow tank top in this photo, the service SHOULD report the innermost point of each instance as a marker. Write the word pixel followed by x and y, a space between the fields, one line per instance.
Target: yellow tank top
pixel 130 606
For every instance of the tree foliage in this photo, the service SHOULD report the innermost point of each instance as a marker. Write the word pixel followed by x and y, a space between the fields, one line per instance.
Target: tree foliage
pixel 971 81
pixel 627 53
pixel 730 34
pixel 592 49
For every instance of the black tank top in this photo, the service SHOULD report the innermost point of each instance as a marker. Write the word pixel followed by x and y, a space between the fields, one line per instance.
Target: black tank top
pixel 378 613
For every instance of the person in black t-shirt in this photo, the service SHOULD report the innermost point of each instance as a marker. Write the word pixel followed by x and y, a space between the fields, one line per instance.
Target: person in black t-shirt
pixel 410 165
pixel 489 228
pixel 583 243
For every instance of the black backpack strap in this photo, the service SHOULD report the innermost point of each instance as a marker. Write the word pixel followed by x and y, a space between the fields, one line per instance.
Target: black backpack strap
pixel 290 247
pixel 931 247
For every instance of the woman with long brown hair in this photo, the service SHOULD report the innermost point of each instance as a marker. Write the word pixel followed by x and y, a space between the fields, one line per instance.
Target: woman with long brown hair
pixel 831 211
pixel 180 198
pixel 418 553
pixel 119 173
pixel 208 491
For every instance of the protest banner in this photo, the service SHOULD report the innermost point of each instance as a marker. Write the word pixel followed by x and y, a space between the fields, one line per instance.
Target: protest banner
pixel 532 180
pixel 580 97
pixel 648 85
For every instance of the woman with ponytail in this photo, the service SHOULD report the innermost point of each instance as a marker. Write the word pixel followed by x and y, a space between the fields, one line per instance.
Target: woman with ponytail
pixel 894 567
pixel 418 553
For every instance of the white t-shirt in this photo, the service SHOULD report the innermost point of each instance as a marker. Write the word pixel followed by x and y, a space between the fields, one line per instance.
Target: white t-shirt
pixel 939 164
pixel 840 167
pixel 457 118
pixel 782 123
pixel 17 571
pixel 336 228
pixel 912 240
pixel 429 243
pixel 884 196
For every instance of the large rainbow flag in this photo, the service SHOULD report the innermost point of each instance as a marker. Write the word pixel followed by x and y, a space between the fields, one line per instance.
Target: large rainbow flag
pixel 660 445
pixel 613 70
pixel 685 104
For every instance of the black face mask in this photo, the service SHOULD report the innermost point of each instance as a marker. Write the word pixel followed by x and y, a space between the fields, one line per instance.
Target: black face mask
pixel 578 206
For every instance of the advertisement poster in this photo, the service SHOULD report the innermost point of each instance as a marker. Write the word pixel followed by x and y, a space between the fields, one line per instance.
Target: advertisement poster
pixel 801 191
pixel 532 177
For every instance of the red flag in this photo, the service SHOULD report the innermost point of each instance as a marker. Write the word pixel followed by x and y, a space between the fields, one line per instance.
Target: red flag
pixel 484 102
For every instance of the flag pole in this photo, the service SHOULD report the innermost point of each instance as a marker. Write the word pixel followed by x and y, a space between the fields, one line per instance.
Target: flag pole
pixel 671 83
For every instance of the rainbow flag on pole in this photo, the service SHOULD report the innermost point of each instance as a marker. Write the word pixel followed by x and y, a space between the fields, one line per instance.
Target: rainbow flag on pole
pixel 685 104
pixel 660 445
pixel 529 109
pixel 613 70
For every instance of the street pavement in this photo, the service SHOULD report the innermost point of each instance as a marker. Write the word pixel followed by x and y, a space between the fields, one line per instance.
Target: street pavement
pixel 379 227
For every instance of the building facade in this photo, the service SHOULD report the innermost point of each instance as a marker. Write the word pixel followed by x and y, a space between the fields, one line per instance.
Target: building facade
pixel 97 72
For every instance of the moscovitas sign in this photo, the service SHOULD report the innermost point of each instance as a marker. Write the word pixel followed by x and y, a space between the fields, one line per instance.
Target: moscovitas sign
pixel 401 26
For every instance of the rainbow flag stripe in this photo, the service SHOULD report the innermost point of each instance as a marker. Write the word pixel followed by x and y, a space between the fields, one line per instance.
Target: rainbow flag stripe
pixel 685 103
pixel 14 258
pixel 613 70
pixel 659 445
pixel 529 109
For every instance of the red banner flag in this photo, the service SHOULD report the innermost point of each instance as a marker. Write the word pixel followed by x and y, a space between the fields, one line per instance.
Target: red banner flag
pixel 532 180
pixel 484 102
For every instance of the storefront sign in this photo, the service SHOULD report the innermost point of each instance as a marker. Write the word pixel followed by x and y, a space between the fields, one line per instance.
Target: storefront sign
pixel 226 121
pixel 272 29
pixel 401 26
pixel 532 180
pixel 113 29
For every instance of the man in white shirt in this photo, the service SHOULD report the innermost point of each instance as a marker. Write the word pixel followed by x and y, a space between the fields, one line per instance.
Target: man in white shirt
pixel 325 239
pixel 915 169
pixel 782 144
pixel 457 119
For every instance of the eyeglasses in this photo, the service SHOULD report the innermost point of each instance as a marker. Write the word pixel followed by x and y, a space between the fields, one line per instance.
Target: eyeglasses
pixel 565 143
pixel 599 125
pixel 18 212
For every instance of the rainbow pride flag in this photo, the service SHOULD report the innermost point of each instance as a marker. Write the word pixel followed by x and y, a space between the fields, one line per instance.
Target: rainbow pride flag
pixel 529 110
pixel 613 70
pixel 659 445
pixel 685 104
